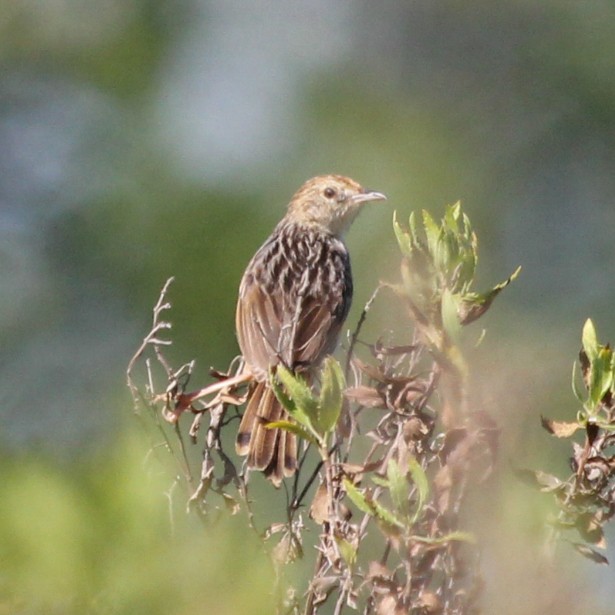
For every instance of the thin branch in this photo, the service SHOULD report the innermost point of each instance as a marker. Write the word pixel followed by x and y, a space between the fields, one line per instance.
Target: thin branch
pixel 357 330
pixel 150 338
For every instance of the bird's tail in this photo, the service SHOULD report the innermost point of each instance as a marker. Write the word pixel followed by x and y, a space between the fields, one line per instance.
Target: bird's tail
pixel 273 451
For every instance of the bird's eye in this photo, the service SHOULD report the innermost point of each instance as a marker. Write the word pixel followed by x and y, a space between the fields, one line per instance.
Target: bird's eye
pixel 329 192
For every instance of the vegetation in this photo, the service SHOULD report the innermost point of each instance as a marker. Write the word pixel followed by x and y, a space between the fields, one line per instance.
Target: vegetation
pixel 144 139
pixel 392 446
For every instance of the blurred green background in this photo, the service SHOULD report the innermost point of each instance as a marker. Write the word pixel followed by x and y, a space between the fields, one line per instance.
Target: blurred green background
pixel 143 139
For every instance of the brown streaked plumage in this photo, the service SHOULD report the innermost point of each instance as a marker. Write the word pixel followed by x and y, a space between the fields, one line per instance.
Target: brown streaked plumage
pixel 294 297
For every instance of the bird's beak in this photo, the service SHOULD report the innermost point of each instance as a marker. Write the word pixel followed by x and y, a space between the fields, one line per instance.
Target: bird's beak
pixel 368 195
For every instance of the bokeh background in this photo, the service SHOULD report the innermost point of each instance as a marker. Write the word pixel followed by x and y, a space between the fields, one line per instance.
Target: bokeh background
pixel 142 139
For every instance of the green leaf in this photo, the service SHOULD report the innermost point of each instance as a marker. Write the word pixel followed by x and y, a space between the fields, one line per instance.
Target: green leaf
pixel 451 217
pixel 289 404
pixel 457 536
pixel 403 238
pixel 513 276
pixel 398 487
pixel 468 257
pixel 299 392
pixel 589 340
pixel 445 252
pixel 422 485
pixel 576 389
pixel 370 506
pixel 432 232
pixel 331 395
pixel 450 318
pixel 382 482
pixel 385 515
pixel 474 305
pixel 358 499
pixel 601 376
pixel 298 430
pixel 414 234
pixel 347 551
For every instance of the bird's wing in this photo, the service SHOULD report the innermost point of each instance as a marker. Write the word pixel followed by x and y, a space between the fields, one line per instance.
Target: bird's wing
pixel 259 322
pixel 294 323
pixel 319 320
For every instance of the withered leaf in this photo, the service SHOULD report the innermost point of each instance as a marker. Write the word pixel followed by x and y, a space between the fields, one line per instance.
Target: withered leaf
pixel 537 478
pixel 275 528
pixel 429 602
pixel 381 579
pixel 404 392
pixel 217 374
pixel 578 453
pixel 356 470
pixel 380 348
pixel 319 510
pixel 232 505
pixel 443 482
pixel 352 600
pixel 452 438
pixel 370 370
pixel 345 422
pixel 590 553
pixel 233 399
pixel 365 396
pixel 288 549
pixel 474 305
pixel 590 529
pixel 322 587
pixel 387 606
pixel 414 429
pixel 414 393
pixel 377 570
pixel 353 471
pixel 560 429
pixel 596 468
pixel 585 365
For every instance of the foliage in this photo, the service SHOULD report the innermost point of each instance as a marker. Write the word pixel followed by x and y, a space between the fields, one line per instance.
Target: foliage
pixel 394 459
pixel 398 449
pixel 318 415
pixel 585 500
pixel 106 193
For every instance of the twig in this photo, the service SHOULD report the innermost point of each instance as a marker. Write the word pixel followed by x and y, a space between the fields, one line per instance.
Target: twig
pixel 357 330
pixel 186 399
pixel 150 338
pixel 186 463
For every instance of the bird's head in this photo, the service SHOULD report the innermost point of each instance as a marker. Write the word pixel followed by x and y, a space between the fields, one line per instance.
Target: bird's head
pixel 329 203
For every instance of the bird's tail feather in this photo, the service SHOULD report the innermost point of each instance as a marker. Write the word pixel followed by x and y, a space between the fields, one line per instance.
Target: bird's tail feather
pixel 273 451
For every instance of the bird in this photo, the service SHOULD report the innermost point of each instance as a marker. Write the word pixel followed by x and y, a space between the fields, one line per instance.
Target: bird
pixel 294 297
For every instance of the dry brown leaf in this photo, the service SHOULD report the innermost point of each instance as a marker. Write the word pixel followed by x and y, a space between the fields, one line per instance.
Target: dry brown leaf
pixel 365 396
pixel 429 603
pixel 319 510
pixel 560 429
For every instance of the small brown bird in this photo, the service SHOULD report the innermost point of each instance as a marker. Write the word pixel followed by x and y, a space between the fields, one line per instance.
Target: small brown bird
pixel 294 297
